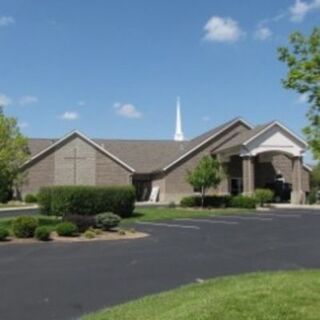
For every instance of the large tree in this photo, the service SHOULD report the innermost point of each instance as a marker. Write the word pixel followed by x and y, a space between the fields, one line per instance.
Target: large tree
pixel 207 174
pixel 302 57
pixel 13 153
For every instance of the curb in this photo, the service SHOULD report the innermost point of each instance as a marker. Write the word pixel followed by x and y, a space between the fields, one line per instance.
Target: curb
pixel 18 208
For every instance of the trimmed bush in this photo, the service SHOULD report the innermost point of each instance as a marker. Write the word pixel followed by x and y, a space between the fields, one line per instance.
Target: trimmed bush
pixel 263 196
pixel 245 202
pixel 107 221
pixel 30 198
pixel 42 233
pixel 89 234
pixel 24 226
pixel 4 234
pixel 86 200
pixel 313 196
pixel 209 201
pixel 82 222
pixel 190 202
pixel 66 229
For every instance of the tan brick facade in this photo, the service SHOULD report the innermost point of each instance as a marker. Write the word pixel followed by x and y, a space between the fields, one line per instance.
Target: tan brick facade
pixel 78 160
pixel 176 185
pixel 74 162
pixel 39 174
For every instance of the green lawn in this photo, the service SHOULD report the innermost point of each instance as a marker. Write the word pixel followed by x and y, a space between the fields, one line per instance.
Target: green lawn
pixel 151 214
pixel 50 222
pixel 145 214
pixel 260 296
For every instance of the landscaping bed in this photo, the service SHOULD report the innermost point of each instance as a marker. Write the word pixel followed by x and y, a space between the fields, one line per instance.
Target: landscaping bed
pixel 73 228
pixel 122 235
pixel 260 296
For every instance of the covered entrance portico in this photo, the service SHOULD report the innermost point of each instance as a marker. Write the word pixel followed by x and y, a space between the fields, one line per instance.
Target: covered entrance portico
pixel 262 156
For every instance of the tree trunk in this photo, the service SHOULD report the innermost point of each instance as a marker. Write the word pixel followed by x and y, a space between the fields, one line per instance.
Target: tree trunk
pixel 202 196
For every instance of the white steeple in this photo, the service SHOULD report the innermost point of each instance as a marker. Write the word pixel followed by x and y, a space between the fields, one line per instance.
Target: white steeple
pixel 179 134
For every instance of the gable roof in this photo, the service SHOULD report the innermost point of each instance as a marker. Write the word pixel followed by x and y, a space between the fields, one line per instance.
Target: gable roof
pixel 54 143
pixel 201 140
pixel 147 156
pixel 246 137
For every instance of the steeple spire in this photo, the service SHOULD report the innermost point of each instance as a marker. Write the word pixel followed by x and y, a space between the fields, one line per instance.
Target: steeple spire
pixel 179 134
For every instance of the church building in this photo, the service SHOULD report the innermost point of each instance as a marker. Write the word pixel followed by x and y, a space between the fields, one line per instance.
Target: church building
pixel 267 155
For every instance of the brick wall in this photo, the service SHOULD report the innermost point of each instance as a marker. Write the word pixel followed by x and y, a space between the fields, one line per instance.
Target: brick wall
pixel 109 172
pixel 176 185
pixel 75 163
pixel 58 167
pixel 40 173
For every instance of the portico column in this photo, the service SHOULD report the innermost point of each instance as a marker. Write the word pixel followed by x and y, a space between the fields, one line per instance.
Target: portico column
pixel 248 175
pixel 297 194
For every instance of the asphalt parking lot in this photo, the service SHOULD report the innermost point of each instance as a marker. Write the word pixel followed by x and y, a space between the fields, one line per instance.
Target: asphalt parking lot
pixel 64 281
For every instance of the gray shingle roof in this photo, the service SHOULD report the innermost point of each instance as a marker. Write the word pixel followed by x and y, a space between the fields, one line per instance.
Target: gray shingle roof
pixel 241 138
pixel 144 156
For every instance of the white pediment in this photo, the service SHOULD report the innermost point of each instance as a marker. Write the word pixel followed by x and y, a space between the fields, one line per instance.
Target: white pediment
pixel 275 138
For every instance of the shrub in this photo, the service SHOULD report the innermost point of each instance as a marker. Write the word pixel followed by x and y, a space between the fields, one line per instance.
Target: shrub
pixel 82 222
pixel 42 233
pixel 44 201
pixel 4 233
pixel 190 202
pixel 86 200
pixel 97 232
pixel 107 221
pixel 89 234
pixel 241 201
pixel 121 232
pixel 30 198
pixel 172 205
pixel 24 226
pixel 313 196
pixel 66 229
pixel 263 196
pixel 209 201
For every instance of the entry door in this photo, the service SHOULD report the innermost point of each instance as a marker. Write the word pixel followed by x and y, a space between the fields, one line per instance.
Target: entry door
pixel 236 186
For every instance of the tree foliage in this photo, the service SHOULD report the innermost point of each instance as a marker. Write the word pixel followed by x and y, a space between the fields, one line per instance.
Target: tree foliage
pixel 302 57
pixel 315 177
pixel 13 153
pixel 207 174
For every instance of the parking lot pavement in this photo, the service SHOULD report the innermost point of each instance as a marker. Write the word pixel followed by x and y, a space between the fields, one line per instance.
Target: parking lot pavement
pixel 62 281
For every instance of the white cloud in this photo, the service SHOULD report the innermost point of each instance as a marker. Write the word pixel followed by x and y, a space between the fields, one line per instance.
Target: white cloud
pixel 6 21
pixel 263 33
pixel 26 100
pixel 219 29
pixel 23 125
pixel 70 115
pixel 301 8
pixel 127 110
pixel 4 100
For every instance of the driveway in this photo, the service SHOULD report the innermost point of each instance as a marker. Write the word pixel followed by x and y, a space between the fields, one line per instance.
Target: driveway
pixel 64 281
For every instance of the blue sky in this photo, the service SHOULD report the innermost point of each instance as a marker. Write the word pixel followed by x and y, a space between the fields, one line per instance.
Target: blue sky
pixel 113 68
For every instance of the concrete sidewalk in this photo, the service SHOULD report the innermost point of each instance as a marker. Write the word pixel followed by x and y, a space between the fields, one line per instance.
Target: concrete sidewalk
pixel 294 206
pixel 17 208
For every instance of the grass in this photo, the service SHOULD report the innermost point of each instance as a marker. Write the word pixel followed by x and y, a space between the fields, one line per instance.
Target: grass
pixel 142 214
pixel 152 214
pixel 260 296
pixel 50 222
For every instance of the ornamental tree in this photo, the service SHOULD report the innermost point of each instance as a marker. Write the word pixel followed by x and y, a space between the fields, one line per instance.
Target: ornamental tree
pixel 302 57
pixel 13 153
pixel 207 174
